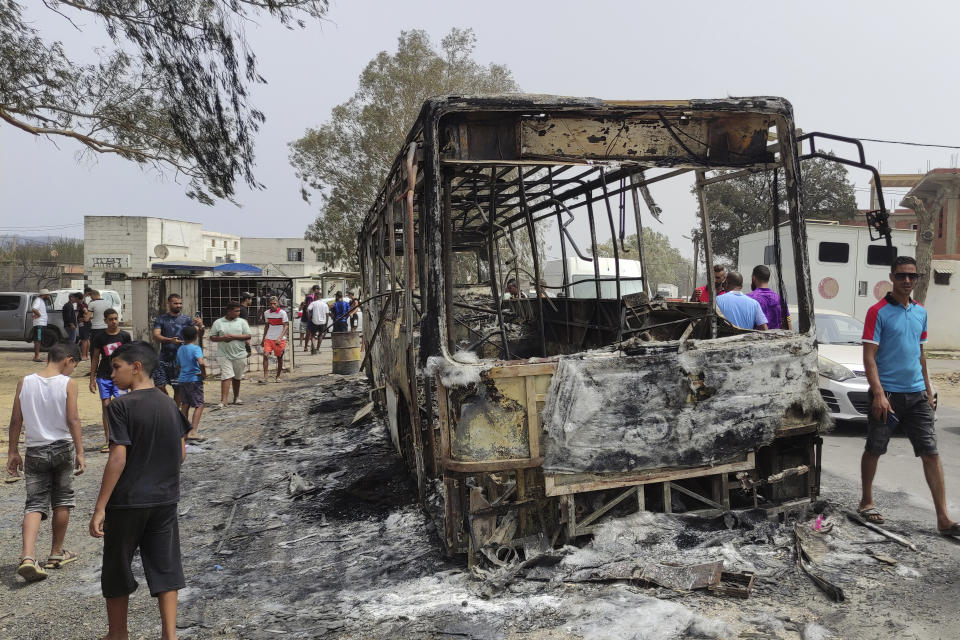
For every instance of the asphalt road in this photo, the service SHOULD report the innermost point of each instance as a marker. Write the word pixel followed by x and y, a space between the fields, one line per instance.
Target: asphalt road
pixel 901 488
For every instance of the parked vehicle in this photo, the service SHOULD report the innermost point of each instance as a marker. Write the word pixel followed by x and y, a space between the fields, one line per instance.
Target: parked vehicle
pixel 848 271
pixel 16 319
pixel 61 296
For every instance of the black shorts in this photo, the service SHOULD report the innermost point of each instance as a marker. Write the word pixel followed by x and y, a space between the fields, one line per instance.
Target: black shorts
pixel 84 332
pixel 191 393
pixel 340 326
pixel 916 421
pixel 156 533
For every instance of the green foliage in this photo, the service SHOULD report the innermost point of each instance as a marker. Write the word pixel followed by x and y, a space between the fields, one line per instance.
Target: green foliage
pixel 28 250
pixel 346 159
pixel 170 91
pixel 664 263
pixel 745 205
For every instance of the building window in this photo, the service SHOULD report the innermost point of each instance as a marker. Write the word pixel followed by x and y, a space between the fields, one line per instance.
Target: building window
pixel 940 225
pixel 213 242
pixel 224 244
pixel 914 227
pixel 941 278
pixel 879 254
pixel 295 255
pixel 769 255
pixel 235 243
pixel 834 252
pixel 324 257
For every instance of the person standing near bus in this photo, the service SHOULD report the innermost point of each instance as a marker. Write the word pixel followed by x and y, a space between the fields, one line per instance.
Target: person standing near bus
pixel 341 308
pixel 894 333
pixel 39 311
pixel 769 299
pixel 274 337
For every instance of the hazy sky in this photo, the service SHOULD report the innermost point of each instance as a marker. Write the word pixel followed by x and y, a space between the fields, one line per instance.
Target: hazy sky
pixel 866 69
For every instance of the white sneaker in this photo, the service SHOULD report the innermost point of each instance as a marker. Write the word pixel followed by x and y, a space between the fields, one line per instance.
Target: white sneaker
pixel 238 401
pixel 216 407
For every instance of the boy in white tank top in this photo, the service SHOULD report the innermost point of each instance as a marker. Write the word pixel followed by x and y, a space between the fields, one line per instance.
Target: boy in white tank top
pixel 45 409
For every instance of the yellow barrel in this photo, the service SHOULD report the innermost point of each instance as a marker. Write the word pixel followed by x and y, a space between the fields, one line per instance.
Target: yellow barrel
pixel 346 352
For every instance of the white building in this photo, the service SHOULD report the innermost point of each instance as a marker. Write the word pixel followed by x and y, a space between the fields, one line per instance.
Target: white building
pixel 116 248
pixel 285 257
pixel 220 247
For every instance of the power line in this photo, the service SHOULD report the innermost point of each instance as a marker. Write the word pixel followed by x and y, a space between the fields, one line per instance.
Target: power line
pixel 909 144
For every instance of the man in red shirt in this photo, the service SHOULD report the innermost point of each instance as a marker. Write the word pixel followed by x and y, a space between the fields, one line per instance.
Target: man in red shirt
pixel 274 337
pixel 702 294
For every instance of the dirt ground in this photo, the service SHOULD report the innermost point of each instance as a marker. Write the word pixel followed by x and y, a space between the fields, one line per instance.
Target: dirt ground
pixel 296 523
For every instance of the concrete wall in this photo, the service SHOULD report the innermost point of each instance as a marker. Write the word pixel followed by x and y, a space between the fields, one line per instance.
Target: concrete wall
pixel 942 303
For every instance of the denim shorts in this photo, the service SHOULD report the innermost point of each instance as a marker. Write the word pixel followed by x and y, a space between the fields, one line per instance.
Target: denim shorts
pixel 916 421
pixel 49 477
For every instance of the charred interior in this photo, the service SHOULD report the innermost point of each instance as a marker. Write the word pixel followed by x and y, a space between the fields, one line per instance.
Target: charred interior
pixel 534 393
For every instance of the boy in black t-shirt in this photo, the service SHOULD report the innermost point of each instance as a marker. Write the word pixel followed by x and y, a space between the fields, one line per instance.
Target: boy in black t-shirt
pixel 137 504
pixel 104 344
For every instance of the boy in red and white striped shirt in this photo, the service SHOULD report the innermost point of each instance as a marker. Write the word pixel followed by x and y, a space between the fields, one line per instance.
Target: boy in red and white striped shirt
pixel 274 337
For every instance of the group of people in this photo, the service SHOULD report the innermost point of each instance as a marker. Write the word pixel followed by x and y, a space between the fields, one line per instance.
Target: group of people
pixel 136 506
pixel 83 317
pixel 760 308
pixel 317 314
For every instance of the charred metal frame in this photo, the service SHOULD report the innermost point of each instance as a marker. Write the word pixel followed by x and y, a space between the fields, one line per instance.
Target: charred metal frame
pixel 476 173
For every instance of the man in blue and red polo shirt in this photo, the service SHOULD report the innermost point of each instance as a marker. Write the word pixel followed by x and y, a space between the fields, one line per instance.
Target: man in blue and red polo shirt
pixel 893 337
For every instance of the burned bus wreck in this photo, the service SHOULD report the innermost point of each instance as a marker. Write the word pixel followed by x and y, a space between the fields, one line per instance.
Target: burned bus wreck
pixel 533 395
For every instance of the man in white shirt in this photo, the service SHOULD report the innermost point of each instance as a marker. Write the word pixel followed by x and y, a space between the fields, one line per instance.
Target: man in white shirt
pixel 274 337
pixel 97 308
pixel 39 311
pixel 317 314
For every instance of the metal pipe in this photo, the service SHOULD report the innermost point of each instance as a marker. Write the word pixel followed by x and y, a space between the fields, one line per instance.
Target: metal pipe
pixel 563 251
pixel 593 249
pixel 613 237
pixel 640 249
pixel 708 252
pixel 494 256
pixel 532 233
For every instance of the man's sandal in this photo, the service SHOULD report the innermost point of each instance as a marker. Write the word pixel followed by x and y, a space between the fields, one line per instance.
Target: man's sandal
pixel 871 515
pixel 57 562
pixel 950 532
pixel 105 448
pixel 29 570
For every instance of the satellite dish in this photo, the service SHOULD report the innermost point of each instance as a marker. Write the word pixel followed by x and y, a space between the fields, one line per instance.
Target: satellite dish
pixel 161 251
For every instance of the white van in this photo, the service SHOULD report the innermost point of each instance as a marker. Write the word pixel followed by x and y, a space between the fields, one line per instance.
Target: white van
pixel 848 272
pixel 581 276
pixel 60 297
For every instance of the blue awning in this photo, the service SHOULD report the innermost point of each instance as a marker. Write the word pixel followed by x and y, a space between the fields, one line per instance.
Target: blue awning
pixel 182 266
pixel 237 267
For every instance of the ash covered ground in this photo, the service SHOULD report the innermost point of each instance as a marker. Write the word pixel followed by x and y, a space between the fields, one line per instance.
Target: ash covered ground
pixel 297 524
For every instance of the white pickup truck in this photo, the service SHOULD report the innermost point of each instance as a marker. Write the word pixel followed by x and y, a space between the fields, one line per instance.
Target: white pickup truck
pixel 16 319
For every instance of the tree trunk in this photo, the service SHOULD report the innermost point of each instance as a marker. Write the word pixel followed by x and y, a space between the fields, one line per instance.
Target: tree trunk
pixel 926 215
